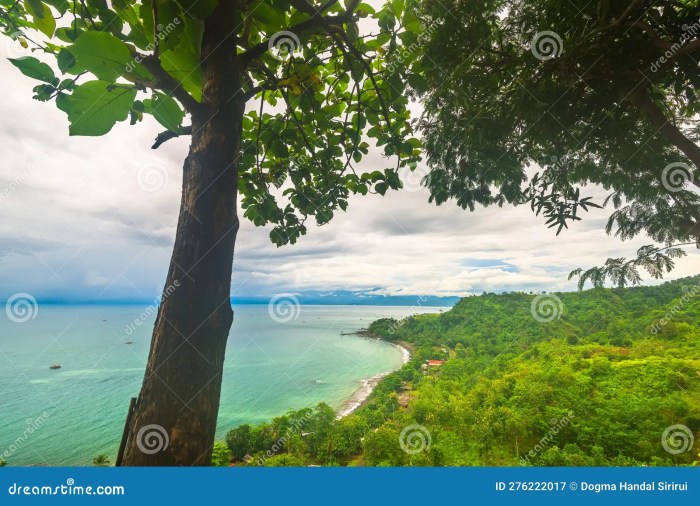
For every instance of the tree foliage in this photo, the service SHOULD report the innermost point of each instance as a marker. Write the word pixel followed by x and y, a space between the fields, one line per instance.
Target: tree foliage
pixel 220 455
pixel 622 272
pixel 318 90
pixel 529 102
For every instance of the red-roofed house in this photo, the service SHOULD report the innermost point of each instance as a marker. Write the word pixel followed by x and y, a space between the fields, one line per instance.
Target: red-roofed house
pixel 435 362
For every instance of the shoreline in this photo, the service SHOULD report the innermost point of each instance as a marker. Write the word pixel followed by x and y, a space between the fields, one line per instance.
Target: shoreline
pixel 360 396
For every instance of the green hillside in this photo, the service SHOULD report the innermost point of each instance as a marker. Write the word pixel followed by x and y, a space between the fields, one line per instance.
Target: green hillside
pixel 583 378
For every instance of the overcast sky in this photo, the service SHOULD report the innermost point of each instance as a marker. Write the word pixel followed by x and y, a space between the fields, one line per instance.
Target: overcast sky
pixel 76 225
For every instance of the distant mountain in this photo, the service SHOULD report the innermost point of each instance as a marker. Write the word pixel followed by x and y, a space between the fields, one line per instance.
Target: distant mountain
pixel 355 298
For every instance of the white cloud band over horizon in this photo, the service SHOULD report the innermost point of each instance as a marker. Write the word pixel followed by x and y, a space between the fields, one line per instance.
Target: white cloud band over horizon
pixel 75 225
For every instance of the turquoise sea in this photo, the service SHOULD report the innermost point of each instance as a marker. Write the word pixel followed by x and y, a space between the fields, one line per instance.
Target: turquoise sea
pixel 69 415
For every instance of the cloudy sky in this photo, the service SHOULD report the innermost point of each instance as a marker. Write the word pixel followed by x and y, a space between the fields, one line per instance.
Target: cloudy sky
pixel 76 225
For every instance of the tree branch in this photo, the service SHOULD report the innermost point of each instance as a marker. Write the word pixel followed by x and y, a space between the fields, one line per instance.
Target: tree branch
pixel 167 83
pixel 626 14
pixel 307 8
pixel 266 86
pixel 670 130
pixel 317 20
pixel 370 74
pixel 164 137
pixel 87 13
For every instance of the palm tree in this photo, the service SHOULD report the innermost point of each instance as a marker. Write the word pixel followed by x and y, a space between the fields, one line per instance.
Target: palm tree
pixel 101 460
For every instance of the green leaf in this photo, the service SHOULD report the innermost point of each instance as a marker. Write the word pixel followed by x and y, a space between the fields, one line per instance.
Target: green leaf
pixel 31 67
pixel 68 34
pixel 356 69
pixel 353 31
pixel 43 92
pixel 34 7
pixel 268 14
pixel 165 110
pixel 41 16
pixel 146 14
pixel 418 83
pixel 105 56
pixel 96 106
pixel 183 62
pixel 411 22
pixel 200 9
pixel 126 12
pixel 323 216
pixel 364 7
pixel 65 60
pixel 60 5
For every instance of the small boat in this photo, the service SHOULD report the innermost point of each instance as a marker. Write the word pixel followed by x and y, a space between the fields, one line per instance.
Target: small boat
pixel 55 366
pixel 129 342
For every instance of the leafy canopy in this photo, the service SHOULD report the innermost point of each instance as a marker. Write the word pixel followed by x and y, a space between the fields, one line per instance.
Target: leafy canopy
pixel 317 90
pixel 529 101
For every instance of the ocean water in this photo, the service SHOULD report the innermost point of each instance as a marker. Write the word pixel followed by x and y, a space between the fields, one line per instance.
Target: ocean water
pixel 68 416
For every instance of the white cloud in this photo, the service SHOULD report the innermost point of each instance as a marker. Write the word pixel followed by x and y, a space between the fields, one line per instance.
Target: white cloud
pixel 76 225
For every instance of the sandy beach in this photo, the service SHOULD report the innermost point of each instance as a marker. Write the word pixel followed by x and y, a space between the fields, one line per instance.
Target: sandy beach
pixel 359 396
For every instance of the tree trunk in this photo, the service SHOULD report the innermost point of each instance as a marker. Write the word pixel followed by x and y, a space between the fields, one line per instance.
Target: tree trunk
pixel 175 418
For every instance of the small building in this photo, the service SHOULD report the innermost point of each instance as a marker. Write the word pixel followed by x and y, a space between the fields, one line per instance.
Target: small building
pixel 435 363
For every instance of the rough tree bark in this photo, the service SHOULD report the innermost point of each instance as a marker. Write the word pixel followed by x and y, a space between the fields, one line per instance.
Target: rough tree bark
pixel 179 399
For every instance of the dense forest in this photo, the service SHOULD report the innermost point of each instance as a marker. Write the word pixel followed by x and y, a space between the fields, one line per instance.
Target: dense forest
pixel 592 378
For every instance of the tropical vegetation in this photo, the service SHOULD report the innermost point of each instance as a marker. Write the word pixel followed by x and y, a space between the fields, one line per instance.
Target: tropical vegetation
pixel 567 379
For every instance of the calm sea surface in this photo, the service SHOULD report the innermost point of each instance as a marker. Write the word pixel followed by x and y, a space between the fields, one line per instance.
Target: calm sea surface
pixel 68 416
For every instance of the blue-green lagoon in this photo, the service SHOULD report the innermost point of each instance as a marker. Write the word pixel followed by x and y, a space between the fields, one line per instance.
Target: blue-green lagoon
pixel 69 415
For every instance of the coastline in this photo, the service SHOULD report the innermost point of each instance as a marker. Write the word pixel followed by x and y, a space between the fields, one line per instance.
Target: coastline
pixel 359 397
